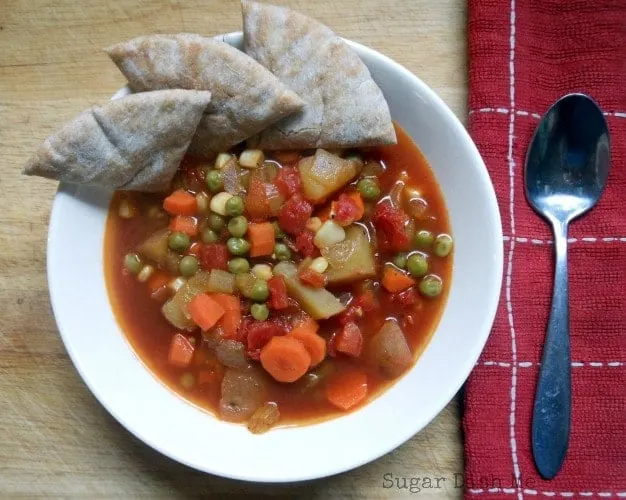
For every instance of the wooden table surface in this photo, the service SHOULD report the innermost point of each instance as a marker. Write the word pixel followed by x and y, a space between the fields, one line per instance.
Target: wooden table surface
pixel 56 440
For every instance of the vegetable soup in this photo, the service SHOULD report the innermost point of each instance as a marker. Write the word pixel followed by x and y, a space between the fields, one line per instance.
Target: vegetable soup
pixel 282 287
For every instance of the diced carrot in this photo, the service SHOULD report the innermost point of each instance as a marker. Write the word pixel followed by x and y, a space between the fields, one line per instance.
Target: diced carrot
pixel 350 340
pixel 157 280
pixel 232 313
pixel 205 311
pixel 285 358
pixel 180 202
pixel 313 343
pixel 181 351
pixel 312 278
pixel 261 237
pixel 347 390
pixel 184 224
pixel 395 280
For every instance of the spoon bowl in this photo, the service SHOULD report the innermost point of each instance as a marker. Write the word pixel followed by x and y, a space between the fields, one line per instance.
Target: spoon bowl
pixel 567 167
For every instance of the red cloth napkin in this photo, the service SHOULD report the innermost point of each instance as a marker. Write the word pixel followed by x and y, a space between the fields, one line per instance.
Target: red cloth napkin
pixel 523 55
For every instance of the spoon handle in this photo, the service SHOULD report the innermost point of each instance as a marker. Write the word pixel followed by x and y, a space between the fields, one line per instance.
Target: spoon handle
pixel 551 415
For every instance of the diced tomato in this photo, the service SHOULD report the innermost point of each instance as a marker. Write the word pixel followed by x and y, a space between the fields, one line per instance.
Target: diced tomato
pixel 304 244
pixel 407 298
pixel 391 224
pixel 257 204
pixel 346 210
pixel 367 301
pixel 312 278
pixel 294 214
pixel 181 351
pixel 259 333
pixel 278 293
pixel 214 256
pixel 349 340
pixel 288 181
pixel 351 314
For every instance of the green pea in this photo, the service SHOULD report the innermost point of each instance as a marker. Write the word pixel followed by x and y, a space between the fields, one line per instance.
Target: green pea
pixel 178 242
pixel 431 285
pixel 214 181
pixel 209 236
pixel 216 221
pixel 417 264
pixel 443 245
pixel 424 239
pixel 259 291
pixel 260 312
pixel 237 246
pixel 237 226
pixel 282 252
pixel 369 189
pixel 187 380
pixel 400 260
pixel 238 265
pixel 234 206
pixel 132 263
pixel 188 266
pixel 278 232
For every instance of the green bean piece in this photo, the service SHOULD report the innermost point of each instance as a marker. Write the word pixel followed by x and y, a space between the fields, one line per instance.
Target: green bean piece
pixel 209 236
pixel 278 232
pixel 132 263
pixel 214 181
pixel 238 265
pixel 237 226
pixel 424 239
pixel 400 260
pixel 188 266
pixel 234 206
pixel 417 264
pixel 431 285
pixel 216 222
pixel 237 246
pixel 260 312
pixel 443 245
pixel 282 252
pixel 179 242
pixel 259 292
pixel 369 189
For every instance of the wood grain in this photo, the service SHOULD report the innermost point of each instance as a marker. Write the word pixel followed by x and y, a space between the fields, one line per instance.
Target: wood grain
pixel 57 441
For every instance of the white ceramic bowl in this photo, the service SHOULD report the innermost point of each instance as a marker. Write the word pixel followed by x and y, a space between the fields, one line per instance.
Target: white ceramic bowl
pixel 194 437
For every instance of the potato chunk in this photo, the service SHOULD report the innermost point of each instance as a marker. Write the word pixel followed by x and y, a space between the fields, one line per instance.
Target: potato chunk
pixel 325 173
pixel 389 350
pixel 351 259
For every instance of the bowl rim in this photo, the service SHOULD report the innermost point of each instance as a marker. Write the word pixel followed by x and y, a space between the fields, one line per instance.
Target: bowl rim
pixel 462 373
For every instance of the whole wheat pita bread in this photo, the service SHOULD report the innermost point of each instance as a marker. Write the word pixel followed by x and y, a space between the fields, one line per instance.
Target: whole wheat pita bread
pixel 135 142
pixel 344 106
pixel 246 97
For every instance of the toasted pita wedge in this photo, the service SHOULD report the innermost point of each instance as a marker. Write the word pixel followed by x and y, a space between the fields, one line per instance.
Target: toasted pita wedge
pixel 344 107
pixel 246 97
pixel 135 143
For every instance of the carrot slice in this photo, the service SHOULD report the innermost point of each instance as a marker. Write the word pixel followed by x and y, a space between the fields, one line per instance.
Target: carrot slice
pixel 347 390
pixel 395 280
pixel 285 358
pixel 312 342
pixel 261 237
pixel 205 312
pixel 180 202
pixel 184 224
pixel 232 313
pixel 181 351
pixel 157 280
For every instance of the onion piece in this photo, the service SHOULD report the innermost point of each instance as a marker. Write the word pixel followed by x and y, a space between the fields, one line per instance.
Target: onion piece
pixel 329 234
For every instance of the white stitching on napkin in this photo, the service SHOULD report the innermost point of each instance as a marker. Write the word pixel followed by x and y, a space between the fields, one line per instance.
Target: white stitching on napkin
pixel 566 494
pixel 537 116
pixel 584 239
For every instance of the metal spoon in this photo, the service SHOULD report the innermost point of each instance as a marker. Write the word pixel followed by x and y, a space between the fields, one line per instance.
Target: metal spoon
pixel 566 169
